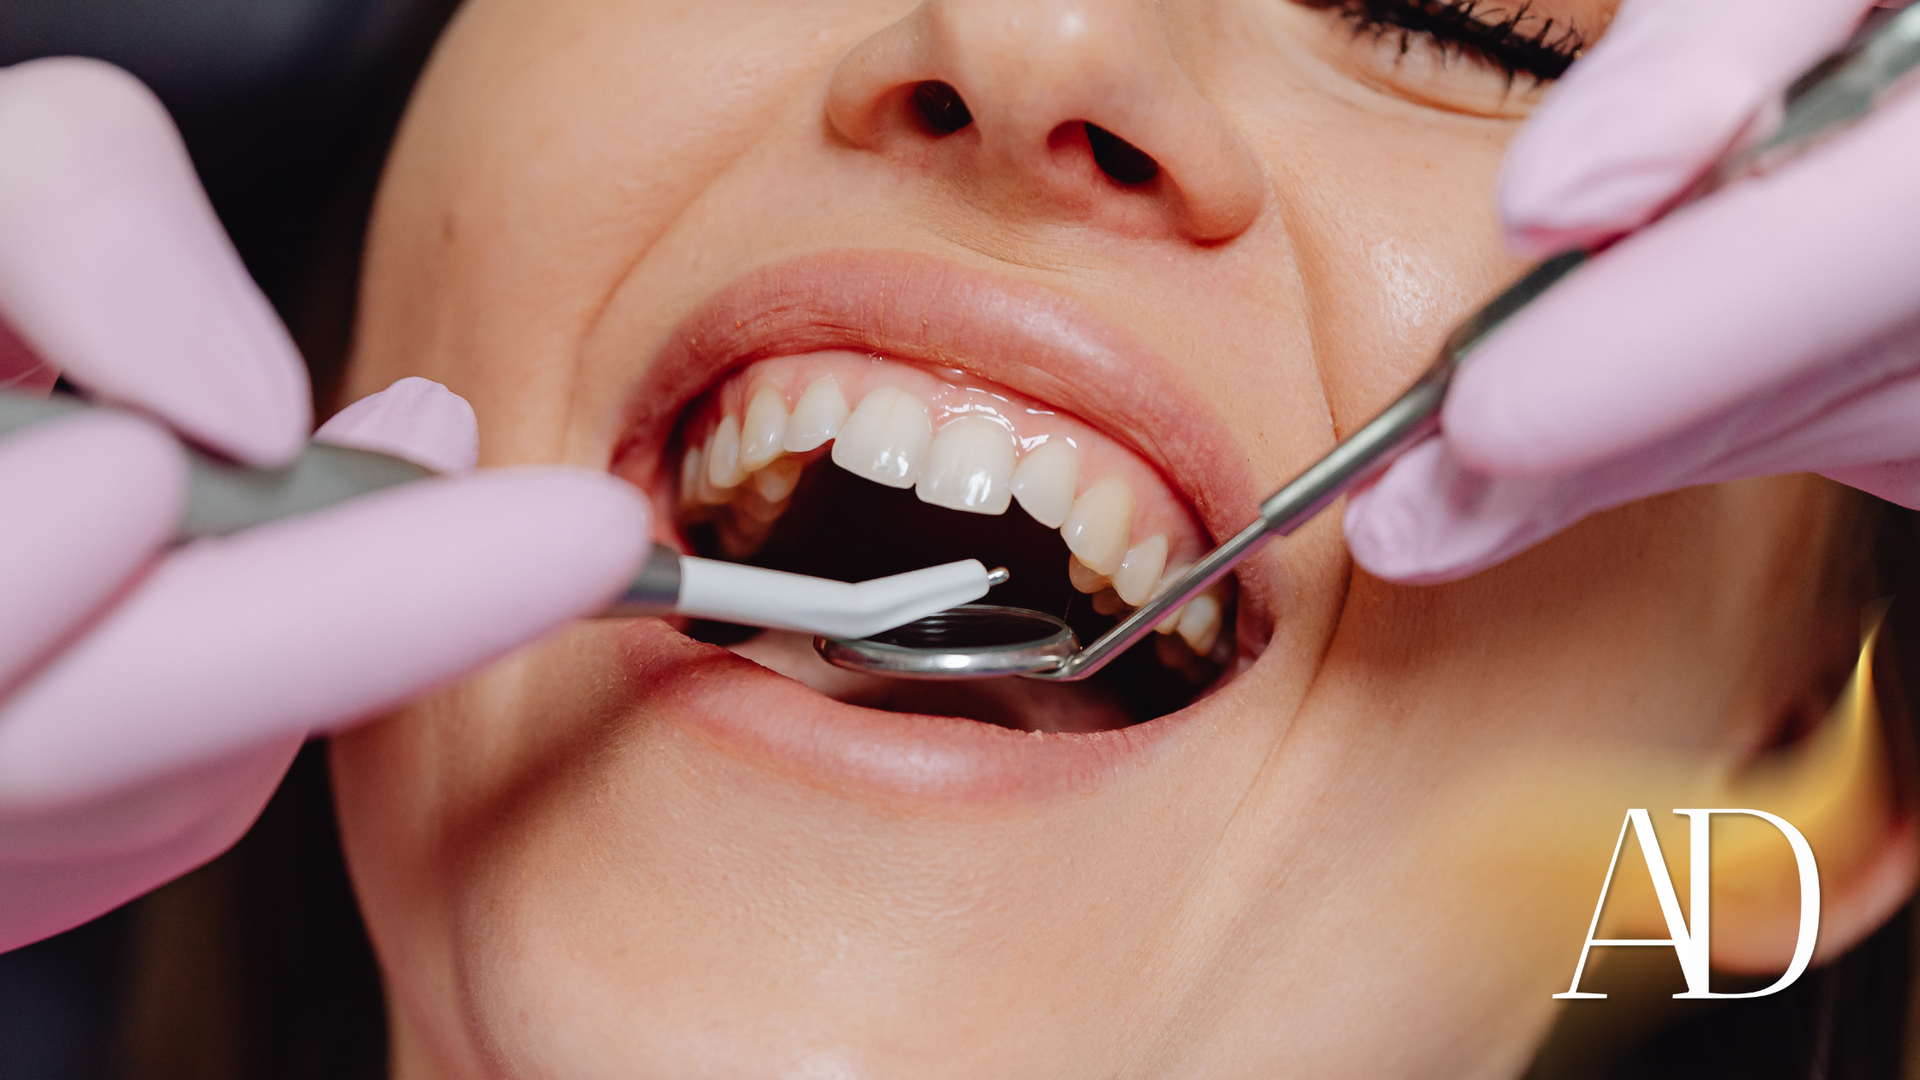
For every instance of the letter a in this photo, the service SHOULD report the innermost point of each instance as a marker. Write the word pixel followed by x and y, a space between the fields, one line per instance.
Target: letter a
pixel 1692 947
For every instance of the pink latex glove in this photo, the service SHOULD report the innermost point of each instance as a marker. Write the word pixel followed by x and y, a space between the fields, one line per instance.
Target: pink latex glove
pixel 150 700
pixel 1772 327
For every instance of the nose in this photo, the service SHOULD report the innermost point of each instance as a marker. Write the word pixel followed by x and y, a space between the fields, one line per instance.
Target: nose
pixel 1074 109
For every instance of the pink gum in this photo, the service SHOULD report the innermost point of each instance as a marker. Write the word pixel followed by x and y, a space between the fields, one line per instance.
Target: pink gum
pixel 950 394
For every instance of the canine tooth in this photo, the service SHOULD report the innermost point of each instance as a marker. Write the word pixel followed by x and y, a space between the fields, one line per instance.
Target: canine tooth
pixel 723 455
pixel 1108 602
pixel 818 416
pixel 1140 570
pixel 1200 623
pixel 1171 624
pixel 1045 480
pixel 763 428
pixel 969 467
pixel 776 481
pixel 1097 526
pixel 1083 578
pixel 885 439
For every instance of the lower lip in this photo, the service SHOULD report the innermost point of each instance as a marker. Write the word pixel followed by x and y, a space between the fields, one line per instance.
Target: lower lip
pixel 758 715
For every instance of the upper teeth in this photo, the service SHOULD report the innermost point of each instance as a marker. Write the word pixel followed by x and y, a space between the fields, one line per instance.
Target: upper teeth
pixel 969 467
pixel 973 463
pixel 886 438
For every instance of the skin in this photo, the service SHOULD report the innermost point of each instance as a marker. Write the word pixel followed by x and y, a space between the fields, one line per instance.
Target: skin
pixel 1393 821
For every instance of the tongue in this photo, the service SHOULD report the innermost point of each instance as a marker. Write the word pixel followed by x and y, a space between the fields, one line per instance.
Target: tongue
pixel 1021 704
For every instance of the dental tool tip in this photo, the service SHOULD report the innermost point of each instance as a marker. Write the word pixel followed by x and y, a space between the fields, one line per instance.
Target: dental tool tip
pixel 999 575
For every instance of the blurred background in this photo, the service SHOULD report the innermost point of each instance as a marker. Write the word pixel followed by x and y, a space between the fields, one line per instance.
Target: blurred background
pixel 256 965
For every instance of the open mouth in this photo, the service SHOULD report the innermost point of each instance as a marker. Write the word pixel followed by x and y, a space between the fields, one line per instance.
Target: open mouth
pixel 851 466
pixel 858 414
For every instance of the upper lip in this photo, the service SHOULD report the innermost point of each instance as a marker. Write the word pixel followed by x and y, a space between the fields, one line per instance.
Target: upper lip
pixel 1026 337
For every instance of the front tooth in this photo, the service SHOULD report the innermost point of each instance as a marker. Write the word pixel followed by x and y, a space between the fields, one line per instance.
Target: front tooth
pixel 885 440
pixel 969 467
pixel 776 481
pixel 1045 480
pixel 1083 579
pixel 1140 570
pixel 763 429
pixel 1097 526
pixel 818 416
pixel 1200 623
pixel 723 455
pixel 1108 602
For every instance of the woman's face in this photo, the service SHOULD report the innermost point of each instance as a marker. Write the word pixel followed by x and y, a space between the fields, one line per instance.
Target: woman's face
pixel 1167 255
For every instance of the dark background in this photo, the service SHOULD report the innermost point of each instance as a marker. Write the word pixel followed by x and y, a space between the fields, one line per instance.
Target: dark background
pixel 256 966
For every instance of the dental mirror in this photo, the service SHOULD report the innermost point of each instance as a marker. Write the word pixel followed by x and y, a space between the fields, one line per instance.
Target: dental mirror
pixel 983 641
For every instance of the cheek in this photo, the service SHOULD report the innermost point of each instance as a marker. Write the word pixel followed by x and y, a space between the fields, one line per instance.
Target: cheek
pixel 1386 206
pixel 548 145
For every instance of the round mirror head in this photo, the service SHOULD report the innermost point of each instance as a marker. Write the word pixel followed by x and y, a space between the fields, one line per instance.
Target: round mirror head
pixel 972 641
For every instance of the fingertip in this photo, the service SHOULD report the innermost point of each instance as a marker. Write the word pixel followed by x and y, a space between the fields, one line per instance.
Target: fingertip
pixel 1630 127
pixel 417 419
pixel 114 267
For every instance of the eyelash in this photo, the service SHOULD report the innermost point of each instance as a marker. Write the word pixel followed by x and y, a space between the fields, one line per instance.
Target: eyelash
pixel 1515 43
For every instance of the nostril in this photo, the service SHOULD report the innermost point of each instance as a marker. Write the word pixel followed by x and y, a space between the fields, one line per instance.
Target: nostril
pixel 940 107
pixel 1118 158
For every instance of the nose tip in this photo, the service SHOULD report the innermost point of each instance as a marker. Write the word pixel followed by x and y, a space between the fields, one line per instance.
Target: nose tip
pixel 1069 107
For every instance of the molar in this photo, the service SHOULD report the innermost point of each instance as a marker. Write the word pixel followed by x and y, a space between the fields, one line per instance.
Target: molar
pixel 885 439
pixel 692 464
pixel 1045 480
pixel 763 429
pixel 1140 570
pixel 818 416
pixel 969 467
pixel 1097 526
pixel 723 455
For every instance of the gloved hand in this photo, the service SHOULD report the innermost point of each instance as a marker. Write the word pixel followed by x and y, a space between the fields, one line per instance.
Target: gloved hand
pixel 151 699
pixel 1772 327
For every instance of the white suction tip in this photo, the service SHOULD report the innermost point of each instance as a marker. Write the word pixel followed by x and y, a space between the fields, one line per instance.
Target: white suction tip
pixel 748 595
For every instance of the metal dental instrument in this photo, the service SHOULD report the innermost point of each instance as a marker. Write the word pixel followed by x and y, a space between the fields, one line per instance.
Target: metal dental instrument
pixel 984 641
pixel 225 498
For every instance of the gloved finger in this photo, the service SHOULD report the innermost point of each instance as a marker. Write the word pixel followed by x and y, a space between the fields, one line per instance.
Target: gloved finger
pixel 89 500
pixel 114 268
pixel 56 889
pixel 415 418
pixel 1432 517
pixel 1429 519
pixel 1741 293
pixel 315 623
pixel 1639 117
pixel 22 372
